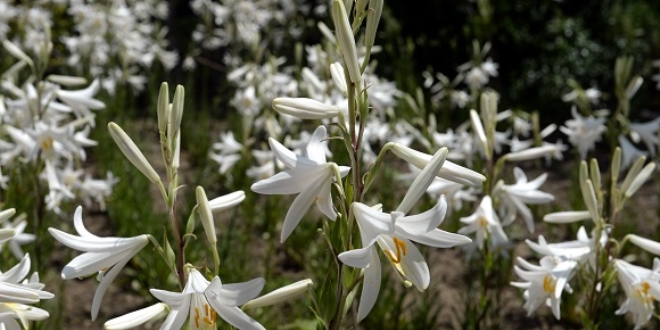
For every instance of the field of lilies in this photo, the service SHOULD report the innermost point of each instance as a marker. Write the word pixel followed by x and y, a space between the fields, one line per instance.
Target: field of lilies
pixel 329 164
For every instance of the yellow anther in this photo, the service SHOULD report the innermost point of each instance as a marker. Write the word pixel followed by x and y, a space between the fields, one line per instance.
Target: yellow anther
pixel 196 317
pixel 483 222
pixel 47 143
pixel 548 284
pixel 401 251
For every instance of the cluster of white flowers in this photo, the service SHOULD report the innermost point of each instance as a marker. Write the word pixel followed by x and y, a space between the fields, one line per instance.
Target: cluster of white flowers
pixel 48 126
pixel 561 261
pixel 115 42
pixel 18 294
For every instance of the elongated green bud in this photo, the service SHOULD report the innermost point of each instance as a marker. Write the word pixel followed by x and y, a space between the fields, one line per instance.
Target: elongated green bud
pixel 304 108
pixel 206 215
pixel 280 295
pixel 346 42
pixel 176 115
pixel 163 108
pixel 17 52
pixel 373 18
pixel 132 152
pixel 68 81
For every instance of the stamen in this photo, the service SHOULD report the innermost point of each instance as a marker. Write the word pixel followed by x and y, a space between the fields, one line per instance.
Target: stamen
pixel 196 317
pixel 548 284
pixel 401 251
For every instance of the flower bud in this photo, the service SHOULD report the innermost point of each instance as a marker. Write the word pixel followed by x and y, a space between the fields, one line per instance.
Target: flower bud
pixel 337 73
pixel 640 179
pixel 227 201
pixel 66 80
pixel 304 108
pixel 346 42
pixel 206 215
pixel 373 18
pixel 478 128
pixel 567 217
pixel 645 243
pixel 280 295
pixel 17 52
pixel 449 170
pixel 176 114
pixel 422 181
pixel 136 318
pixel 532 153
pixel 163 107
pixel 132 152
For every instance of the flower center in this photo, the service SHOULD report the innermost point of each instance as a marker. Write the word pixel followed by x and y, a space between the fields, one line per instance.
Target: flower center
pixel 401 251
pixel 483 222
pixel 205 320
pixel 47 143
pixel 643 292
pixel 548 284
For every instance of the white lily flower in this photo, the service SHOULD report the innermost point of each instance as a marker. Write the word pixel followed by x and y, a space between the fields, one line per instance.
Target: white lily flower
pixel 583 133
pixel 544 283
pixel 19 238
pixel 486 224
pixel 630 153
pixel 105 255
pixel 574 250
pixel 642 288
pixel 646 132
pixel 201 300
pixel 82 101
pixel 309 176
pixel 523 192
pixel 394 232
pixel 15 293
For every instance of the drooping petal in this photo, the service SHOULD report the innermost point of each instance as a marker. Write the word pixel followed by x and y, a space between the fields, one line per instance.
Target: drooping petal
pixel 91 262
pixel 177 317
pixel 79 225
pixel 235 316
pixel 370 286
pixel 358 258
pixel 324 201
pixel 97 244
pixel 105 283
pixel 299 207
pixel 176 300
